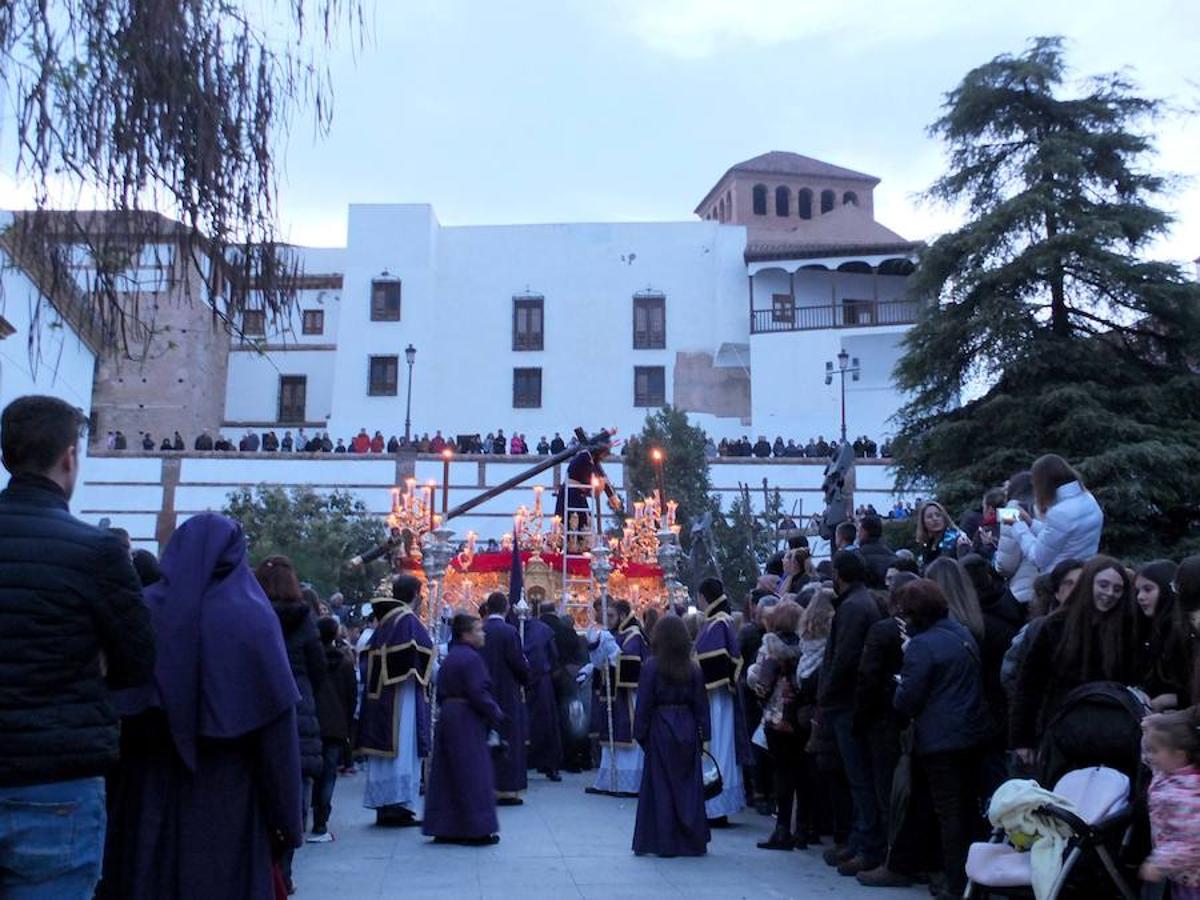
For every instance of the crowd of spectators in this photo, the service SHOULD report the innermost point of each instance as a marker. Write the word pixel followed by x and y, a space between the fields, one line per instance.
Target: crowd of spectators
pixel 493 443
pixel 815 448
pixel 947 668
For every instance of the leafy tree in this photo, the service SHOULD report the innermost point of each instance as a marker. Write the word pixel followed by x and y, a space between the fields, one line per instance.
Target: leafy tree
pixel 161 105
pixel 745 541
pixel 318 532
pixel 1045 296
pixel 685 466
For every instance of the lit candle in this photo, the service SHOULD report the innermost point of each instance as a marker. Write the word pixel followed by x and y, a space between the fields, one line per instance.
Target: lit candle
pixel 596 494
pixel 671 507
pixel 675 530
pixel 447 454
pixel 657 455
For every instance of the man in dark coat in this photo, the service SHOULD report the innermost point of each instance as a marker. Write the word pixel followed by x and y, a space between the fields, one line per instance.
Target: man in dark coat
pixel 877 554
pixel 545 739
pixel 72 627
pixel 557 444
pixel 204 442
pixel 855 612
pixel 509 671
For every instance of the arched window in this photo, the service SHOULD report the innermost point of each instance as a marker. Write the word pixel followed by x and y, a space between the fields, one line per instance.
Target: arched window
pixel 760 199
pixel 849 199
pixel 721 210
pixel 827 198
pixel 804 203
pixel 783 202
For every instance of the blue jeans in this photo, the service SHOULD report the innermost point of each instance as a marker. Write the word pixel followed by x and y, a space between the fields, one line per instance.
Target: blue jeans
pixel 331 756
pixel 866 831
pixel 52 840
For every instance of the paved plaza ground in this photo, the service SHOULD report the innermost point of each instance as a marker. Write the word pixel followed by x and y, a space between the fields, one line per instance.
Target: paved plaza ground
pixel 562 843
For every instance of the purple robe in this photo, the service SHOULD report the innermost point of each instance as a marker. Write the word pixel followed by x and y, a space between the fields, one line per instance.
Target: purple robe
pixel 545 738
pixel 210 765
pixel 672 721
pixel 509 672
pixel 400 650
pixel 720 658
pixel 625 677
pixel 461 800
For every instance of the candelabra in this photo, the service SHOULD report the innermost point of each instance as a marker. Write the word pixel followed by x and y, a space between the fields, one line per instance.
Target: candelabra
pixel 641 535
pixel 412 511
pixel 437 554
pixel 601 570
pixel 668 561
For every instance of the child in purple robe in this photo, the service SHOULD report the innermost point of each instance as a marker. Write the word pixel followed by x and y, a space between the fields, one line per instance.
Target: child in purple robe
pixel 460 803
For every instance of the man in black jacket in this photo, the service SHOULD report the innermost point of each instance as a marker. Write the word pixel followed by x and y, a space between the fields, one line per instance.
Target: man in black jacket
pixel 72 627
pixel 878 555
pixel 855 612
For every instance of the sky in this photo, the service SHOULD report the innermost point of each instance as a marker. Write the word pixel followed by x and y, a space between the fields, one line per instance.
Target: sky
pixel 630 110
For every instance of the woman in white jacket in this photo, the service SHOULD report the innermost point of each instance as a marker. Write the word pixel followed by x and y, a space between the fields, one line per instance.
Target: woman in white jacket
pixel 1070 518
pixel 1009 561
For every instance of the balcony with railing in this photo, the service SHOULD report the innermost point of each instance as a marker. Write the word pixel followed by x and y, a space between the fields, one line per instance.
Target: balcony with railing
pixel 845 314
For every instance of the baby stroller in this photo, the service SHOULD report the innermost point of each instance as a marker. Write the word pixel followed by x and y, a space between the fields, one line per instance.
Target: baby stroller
pixel 1091 755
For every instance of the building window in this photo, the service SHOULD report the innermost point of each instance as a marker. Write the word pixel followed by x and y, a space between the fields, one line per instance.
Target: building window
pixel 649 322
pixel 827 198
pixel 857 312
pixel 760 199
pixel 314 321
pixel 783 201
pixel 385 300
pixel 782 308
pixel 804 203
pixel 527 388
pixel 254 322
pixel 849 199
pixel 293 390
pixel 382 376
pixel 528 333
pixel 649 386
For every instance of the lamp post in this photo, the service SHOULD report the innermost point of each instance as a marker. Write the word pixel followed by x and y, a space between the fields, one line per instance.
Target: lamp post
pixel 410 356
pixel 846 366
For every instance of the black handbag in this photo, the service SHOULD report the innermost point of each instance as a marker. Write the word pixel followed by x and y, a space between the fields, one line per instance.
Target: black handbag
pixel 714 784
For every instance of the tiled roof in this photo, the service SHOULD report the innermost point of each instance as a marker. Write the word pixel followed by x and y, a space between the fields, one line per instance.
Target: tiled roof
pixel 844 228
pixel 780 162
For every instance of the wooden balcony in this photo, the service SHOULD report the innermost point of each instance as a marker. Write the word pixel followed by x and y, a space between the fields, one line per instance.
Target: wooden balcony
pixel 847 314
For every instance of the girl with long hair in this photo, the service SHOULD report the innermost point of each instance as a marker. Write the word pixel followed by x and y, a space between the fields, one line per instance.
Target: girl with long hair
pixel 1090 639
pixel 1164 660
pixel 1070 519
pixel 671 724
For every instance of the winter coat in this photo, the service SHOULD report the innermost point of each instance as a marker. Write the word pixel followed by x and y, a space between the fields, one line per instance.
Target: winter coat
pixel 882 658
pixel 853 615
pixel 1174 808
pixel 1069 529
pixel 337 696
pixel 771 677
pixel 941 689
pixel 879 557
pixel 72 628
pixel 1003 617
pixel 307 659
pixel 1017 569
pixel 946 545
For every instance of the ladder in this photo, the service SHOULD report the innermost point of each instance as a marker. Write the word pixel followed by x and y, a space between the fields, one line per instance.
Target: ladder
pixel 581 530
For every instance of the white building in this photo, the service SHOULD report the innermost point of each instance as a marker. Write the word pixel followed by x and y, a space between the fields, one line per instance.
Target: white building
pixel 46 346
pixel 539 328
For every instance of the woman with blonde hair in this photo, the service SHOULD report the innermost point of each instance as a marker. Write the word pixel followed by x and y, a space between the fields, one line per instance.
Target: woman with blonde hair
pixel 960 594
pixel 937 535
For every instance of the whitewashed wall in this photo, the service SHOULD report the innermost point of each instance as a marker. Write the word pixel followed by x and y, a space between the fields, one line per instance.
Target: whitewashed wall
pixel 62 365
pixel 128 489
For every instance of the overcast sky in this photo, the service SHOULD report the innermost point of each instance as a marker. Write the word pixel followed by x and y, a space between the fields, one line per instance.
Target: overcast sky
pixel 617 110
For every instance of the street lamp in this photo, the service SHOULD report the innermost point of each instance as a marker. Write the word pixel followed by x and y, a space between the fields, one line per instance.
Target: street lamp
pixel 846 366
pixel 410 355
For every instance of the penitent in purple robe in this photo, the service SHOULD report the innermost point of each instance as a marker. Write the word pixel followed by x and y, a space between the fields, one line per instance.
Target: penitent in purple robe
pixel 718 653
pixel 545 738
pixel 509 672
pixel 210 766
pixel 461 800
pixel 672 720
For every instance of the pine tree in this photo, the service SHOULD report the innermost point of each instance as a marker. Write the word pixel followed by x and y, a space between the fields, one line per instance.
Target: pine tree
pixel 1087 348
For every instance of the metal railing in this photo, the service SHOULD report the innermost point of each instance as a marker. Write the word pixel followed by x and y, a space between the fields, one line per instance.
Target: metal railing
pixel 847 314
